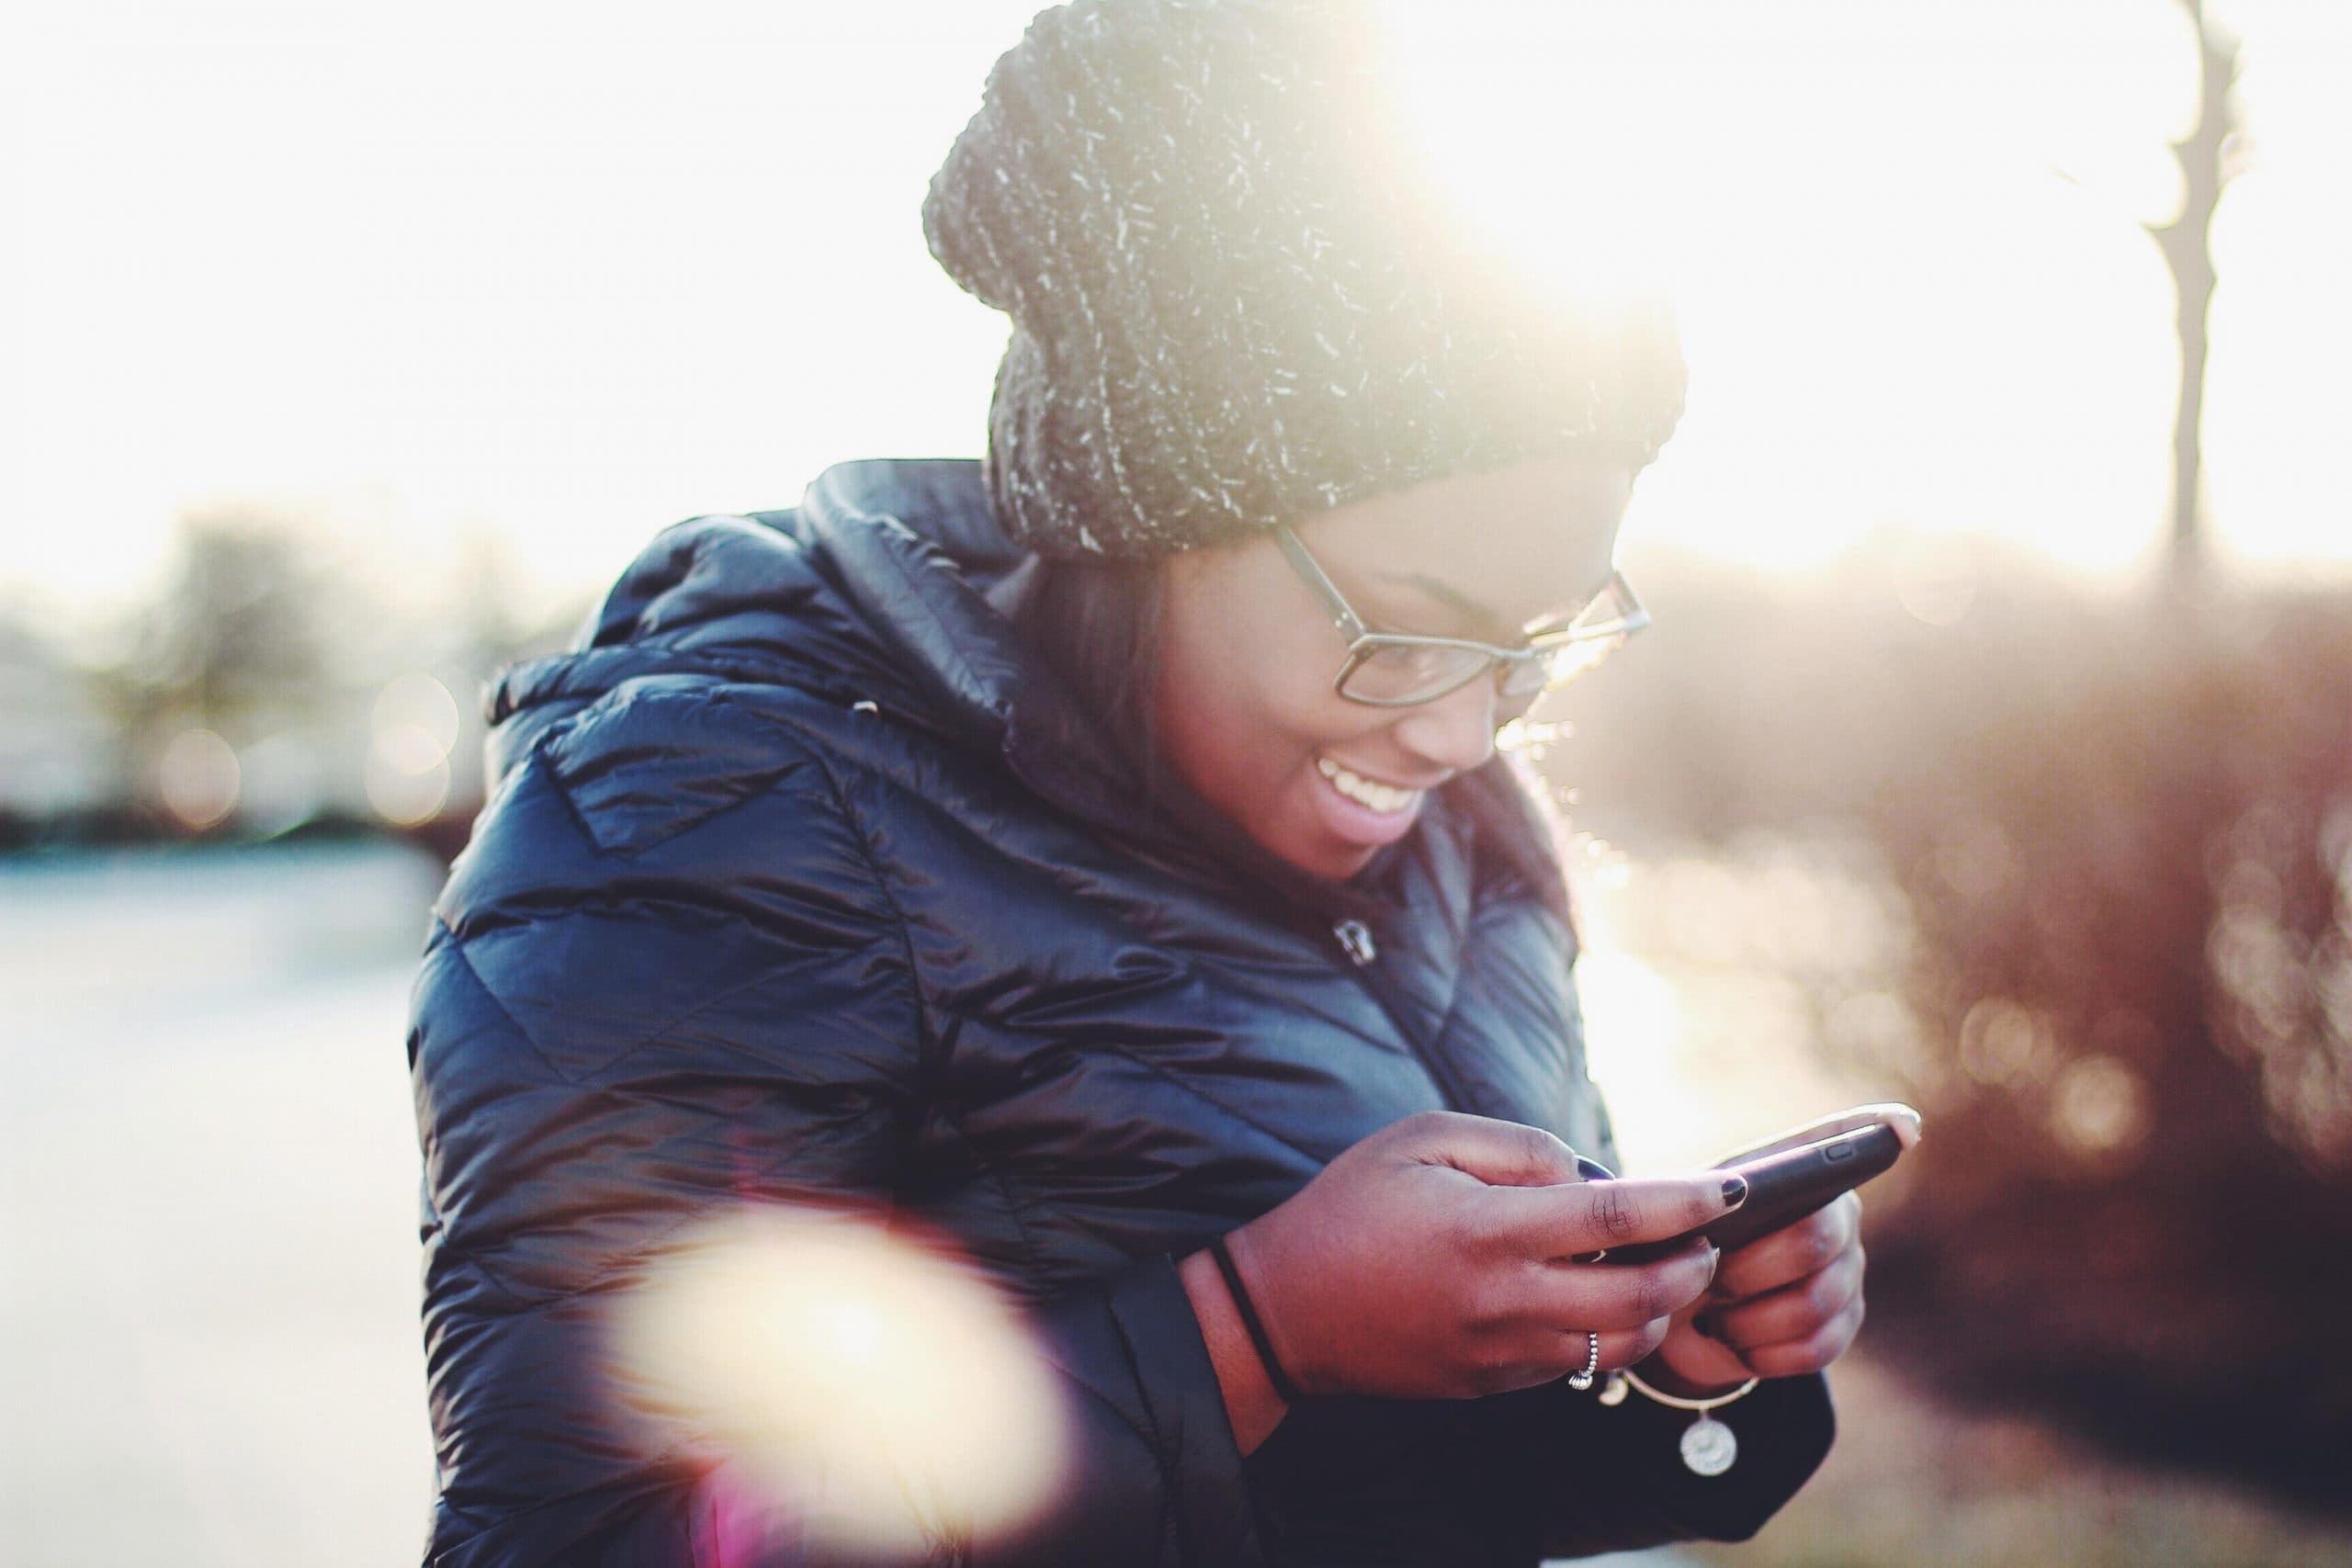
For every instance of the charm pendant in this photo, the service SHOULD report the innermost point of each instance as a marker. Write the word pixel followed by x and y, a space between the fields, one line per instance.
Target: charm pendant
pixel 1709 1447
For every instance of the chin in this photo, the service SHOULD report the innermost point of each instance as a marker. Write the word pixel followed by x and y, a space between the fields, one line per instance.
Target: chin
pixel 1334 864
pixel 1307 847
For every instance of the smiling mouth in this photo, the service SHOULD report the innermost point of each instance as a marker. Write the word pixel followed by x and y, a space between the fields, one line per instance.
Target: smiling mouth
pixel 1387 799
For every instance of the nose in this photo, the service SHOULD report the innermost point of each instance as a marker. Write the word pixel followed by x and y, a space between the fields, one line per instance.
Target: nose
pixel 1456 732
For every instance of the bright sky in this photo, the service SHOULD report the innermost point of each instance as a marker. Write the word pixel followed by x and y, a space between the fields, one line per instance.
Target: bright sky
pixel 567 272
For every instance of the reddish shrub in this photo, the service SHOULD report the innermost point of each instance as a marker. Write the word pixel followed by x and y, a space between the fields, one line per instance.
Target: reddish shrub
pixel 2124 833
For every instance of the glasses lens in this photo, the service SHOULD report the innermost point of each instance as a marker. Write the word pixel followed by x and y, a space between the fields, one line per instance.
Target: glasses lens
pixel 1400 671
pixel 1411 673
pixel 1599 629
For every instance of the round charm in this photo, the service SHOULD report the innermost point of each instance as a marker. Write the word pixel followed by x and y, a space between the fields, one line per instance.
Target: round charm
pixel 1615 1390
pixel 1709 1447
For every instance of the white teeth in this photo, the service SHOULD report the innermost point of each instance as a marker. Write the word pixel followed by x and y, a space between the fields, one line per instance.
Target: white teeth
pixel 1362 791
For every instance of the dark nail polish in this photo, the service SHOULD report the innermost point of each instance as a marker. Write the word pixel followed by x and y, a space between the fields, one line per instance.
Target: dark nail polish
pixel 1735 1192
pixel 1593 1170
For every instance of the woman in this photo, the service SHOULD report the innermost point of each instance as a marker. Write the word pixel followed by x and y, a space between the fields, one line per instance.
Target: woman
pixel 1059 853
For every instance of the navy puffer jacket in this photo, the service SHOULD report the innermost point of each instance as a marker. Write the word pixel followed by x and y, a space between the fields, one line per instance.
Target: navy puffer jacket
pixel 799 881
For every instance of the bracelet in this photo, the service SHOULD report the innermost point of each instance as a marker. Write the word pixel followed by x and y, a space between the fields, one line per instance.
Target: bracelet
pixel 1678 1402
pixel 1708 1446
pixel 1288 1389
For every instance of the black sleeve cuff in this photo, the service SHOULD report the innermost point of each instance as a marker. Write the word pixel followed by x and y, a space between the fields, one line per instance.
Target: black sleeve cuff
pixel 1153 1473
pixel 1613 1477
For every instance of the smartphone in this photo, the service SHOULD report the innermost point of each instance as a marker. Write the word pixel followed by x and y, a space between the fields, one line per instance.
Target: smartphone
pixel 1784 1188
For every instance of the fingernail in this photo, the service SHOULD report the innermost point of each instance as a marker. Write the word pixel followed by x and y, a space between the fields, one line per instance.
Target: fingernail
pixel 1735 1192
pixel 1593 1170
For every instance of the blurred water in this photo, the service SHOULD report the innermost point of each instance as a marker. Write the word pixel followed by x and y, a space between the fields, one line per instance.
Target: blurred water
pixel 207 1207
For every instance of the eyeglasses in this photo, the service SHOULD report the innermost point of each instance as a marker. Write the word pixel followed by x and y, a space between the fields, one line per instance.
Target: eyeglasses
pixel 1398 670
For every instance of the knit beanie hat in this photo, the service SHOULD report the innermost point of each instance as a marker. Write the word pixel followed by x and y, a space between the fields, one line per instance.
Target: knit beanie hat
pixel 1238 297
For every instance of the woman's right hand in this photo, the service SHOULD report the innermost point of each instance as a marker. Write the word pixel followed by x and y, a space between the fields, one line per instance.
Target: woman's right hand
pixel 1432 1259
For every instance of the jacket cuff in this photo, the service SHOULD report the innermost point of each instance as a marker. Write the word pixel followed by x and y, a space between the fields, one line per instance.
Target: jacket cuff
pixel 1784 1431
pixel 1154 1474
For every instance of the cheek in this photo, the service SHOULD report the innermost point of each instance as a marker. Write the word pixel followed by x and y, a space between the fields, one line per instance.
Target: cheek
pixel 1303 706
pixel 1244 705
pixel 1254 728
pixel 1242 667
pixel 1289 712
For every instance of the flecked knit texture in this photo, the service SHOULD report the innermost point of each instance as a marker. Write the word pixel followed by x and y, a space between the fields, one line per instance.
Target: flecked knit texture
pixel 1238 297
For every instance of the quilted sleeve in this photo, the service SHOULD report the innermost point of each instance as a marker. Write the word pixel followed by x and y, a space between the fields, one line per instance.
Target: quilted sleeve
pixel 667 977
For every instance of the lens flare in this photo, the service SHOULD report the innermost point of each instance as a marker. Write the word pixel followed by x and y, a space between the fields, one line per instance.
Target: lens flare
pixel 839 1380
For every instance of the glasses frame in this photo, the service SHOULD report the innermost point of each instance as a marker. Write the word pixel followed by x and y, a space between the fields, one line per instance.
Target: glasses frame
pixel 1363 642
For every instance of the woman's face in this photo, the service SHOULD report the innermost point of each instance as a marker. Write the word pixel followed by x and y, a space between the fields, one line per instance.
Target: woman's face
pixel 1246 713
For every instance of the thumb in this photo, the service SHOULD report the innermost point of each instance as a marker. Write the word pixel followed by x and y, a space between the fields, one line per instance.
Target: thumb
pixel 1499 1152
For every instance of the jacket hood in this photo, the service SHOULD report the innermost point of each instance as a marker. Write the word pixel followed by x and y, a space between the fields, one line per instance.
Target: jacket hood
pixel 874 589
pixel 840 596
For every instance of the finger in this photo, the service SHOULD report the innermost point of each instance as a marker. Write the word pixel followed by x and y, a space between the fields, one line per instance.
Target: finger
pixel 1699 1360
pixel 1893 1113
pixel 1630 1346
pixel 1790 1313
pixel 1791 1253
pixel 1564 1220
pixel 1542 1357
pixel 1570 1295
pixel 1791 1357
pixel 1499 1152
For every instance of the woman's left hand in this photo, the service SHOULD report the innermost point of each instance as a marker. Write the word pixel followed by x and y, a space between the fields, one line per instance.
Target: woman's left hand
pixel 1785 1303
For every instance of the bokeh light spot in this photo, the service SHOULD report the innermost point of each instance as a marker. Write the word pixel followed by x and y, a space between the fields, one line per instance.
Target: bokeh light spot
pixel 404 799
pixel 2003 1043
pixel 2098 1105
pixel 419 710
pixel 199 778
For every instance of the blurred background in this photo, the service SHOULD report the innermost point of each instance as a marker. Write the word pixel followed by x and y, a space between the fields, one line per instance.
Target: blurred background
pixel 1993 748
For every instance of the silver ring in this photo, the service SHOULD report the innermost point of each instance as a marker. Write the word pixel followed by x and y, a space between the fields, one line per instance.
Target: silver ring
pixel 1583 1379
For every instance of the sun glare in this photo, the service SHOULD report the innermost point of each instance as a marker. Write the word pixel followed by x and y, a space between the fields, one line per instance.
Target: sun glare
pixel 1905 249
pixel 1543 139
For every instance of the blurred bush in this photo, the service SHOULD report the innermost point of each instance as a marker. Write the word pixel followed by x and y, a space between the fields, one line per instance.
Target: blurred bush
pixel 2133 906
pixel 2122 834
pixel 269 683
